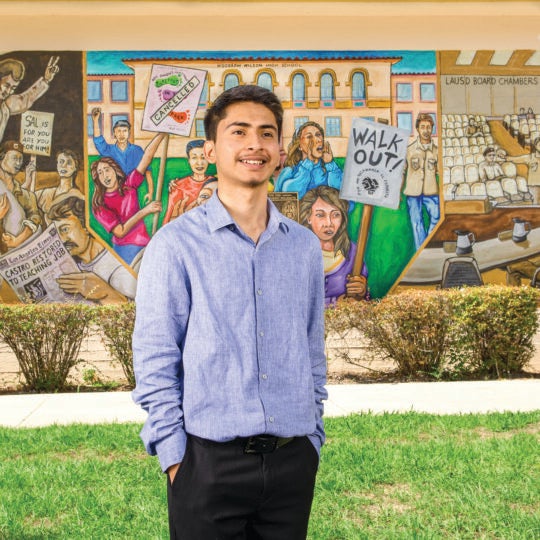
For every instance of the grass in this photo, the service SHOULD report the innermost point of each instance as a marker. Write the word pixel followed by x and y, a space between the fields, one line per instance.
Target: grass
pixel 392 476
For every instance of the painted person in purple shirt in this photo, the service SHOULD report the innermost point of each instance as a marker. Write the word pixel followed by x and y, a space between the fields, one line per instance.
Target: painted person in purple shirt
pixel 325 214
pixel 229 343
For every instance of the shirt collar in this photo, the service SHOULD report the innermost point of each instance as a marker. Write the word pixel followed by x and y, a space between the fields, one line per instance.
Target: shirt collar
pixel 218 217
pixel 428 146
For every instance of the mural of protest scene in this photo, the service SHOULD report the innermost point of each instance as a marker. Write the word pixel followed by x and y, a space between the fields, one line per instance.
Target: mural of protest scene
pixel 490 138
pixel 41 160
pixel 168 92
pixel 100 149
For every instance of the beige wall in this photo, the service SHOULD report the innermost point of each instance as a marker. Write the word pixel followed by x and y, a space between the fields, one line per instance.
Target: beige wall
pixel 215 25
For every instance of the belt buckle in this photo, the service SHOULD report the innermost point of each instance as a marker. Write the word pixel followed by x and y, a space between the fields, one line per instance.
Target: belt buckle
pixel 260 444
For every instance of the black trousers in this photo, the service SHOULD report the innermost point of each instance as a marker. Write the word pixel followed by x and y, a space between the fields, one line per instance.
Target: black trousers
pixel 221 493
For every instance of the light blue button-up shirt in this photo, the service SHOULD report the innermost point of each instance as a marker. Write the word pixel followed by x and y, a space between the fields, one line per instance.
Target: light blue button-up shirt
pixel 229 334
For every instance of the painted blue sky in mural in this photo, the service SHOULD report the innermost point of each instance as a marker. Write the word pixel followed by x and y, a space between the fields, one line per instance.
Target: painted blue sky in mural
pixel 110 62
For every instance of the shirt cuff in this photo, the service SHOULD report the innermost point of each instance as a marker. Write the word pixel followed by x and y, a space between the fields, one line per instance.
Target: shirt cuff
pixel 171 450
pixel 316 442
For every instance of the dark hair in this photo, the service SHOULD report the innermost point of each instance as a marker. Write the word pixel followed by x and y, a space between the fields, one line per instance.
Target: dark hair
pixel 99 190
pixel 69 206
pixel 488 150
pixel 122 123
pixel 197 143
pixel 238 94
pixel 424 117
pixel 12 67
pixel 210 180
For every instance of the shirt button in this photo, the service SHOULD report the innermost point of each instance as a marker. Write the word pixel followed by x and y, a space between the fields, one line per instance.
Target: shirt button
pixel 231 227
pixel 259 292
pixel 271 418
pixel 264 376
pixel 261 334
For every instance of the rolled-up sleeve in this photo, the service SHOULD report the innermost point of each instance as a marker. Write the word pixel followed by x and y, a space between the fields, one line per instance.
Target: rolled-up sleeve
pixel 162 309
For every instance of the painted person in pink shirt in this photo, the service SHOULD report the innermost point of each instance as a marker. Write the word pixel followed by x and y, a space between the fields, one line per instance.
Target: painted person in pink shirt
pixel 115 202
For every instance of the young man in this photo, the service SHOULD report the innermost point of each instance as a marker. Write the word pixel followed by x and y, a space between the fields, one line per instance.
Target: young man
pixel 102 279
pixel 20 217
pixel 183 192
pixel 421 187
pixel 229 343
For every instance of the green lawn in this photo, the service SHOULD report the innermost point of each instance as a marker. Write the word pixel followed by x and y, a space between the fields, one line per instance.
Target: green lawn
pixel 391 476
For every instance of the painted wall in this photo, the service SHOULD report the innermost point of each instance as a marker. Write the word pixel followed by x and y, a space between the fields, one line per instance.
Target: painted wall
pixel 471 183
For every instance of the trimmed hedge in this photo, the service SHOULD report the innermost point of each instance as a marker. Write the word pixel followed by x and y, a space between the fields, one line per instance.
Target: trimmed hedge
pixel 475 331
pixel 46 339
pixel 116 323
pixel 478 331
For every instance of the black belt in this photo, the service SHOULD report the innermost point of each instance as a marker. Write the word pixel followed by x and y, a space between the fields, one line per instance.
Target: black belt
pixel 263 444
pixel 258 444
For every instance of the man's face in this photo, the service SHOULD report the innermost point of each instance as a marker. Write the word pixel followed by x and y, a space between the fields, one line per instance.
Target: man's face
pixel 312 142
pixel 8 85
pixel 246 149
pixel 424 131
pixel 490 156
pixel 12 162
pixel 324 220
pixel 121 133
pixel 197 160
pixel 65 165
pixel 107 176
pixel 501 155
pixel 73 235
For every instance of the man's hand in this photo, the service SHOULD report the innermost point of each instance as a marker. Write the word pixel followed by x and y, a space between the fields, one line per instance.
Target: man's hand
pixel 10 240
pixel 87 284
pixel 96 113
pixel 172 470
pixel 30 174
pixel 52 69
pixel 4 205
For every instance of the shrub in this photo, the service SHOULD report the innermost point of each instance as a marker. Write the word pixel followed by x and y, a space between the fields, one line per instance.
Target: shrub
pixel 116 323
pixel 46 340
pixel 411 328
pixel 493 329
pixel 478 331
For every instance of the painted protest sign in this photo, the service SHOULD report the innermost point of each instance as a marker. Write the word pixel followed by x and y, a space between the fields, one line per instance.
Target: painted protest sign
pixel 36 132
pixel 376 157
pixel 172 100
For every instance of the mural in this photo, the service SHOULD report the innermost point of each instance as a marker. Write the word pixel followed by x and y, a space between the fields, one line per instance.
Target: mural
pixel 98 150
pixel 490 138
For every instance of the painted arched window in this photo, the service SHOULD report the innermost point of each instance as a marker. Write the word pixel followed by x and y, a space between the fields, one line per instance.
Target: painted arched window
pixel 265 80
pixel 299 87
pixel 327 86
pixel 358 86
pixel 231 80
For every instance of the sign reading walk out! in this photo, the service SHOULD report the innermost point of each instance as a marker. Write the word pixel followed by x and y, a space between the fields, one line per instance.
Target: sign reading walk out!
pixel 376 157
pixel 172 100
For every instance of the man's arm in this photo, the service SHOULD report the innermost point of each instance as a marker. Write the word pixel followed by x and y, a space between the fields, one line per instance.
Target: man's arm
pixel 162 311
pixel 316 341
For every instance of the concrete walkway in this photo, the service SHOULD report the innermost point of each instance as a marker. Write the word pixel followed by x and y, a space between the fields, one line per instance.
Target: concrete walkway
pixel 33 410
